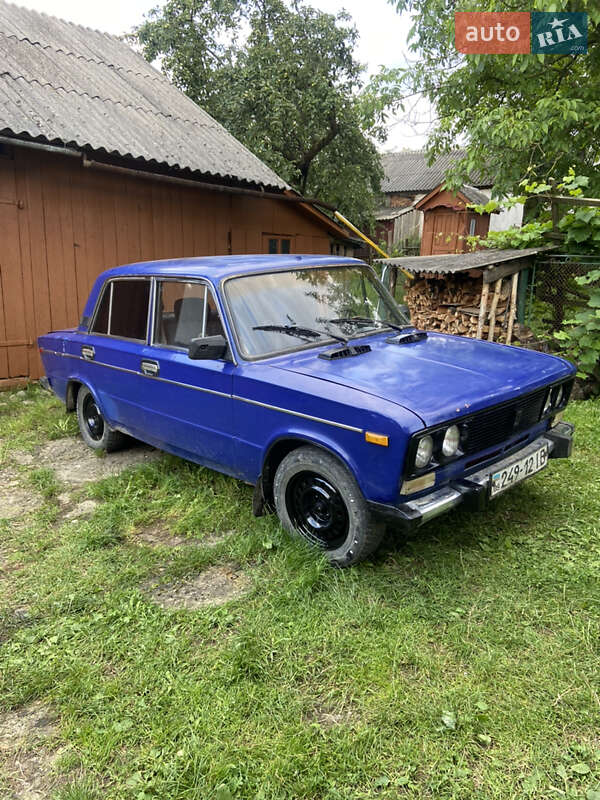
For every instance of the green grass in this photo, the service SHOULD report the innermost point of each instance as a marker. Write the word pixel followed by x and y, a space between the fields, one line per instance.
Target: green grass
pixel 460 663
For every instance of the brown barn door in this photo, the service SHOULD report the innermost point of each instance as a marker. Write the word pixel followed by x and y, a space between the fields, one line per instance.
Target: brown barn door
pixel 445 232
pixel 13 330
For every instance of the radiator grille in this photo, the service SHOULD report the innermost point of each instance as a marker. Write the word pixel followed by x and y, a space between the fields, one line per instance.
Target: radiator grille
pixel 493 426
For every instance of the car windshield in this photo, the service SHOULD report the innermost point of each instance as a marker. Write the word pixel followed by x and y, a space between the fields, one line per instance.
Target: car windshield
pixel 278 311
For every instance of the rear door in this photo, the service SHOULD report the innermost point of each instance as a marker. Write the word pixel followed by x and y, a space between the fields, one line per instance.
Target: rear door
pixel 113 353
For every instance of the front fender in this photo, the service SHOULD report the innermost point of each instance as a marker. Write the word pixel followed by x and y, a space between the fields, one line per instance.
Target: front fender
pixel 376 469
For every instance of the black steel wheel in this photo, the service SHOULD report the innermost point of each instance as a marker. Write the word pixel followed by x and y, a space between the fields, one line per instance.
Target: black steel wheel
pixel 94 430
pixel 317 509
pixel 93 418
pixel 317 498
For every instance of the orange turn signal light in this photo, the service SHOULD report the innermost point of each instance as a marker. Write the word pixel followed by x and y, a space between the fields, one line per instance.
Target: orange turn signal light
pixel 377 438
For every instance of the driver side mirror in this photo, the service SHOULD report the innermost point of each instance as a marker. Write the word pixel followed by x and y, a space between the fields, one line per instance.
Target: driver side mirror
pixel 207 348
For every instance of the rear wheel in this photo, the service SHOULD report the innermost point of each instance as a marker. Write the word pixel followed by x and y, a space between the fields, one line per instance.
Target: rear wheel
pixel 318 499
pixel 92 425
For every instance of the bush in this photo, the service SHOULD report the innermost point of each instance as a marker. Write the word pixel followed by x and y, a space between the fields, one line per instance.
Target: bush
pixel 580 336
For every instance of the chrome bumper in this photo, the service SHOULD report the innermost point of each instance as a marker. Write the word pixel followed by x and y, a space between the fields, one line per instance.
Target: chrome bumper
pixel 473 491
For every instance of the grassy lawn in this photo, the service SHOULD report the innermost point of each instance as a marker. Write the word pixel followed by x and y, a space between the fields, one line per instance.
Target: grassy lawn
pixel 460 663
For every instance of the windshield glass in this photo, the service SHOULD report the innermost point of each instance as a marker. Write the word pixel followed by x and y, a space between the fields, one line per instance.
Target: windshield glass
pixel 345 301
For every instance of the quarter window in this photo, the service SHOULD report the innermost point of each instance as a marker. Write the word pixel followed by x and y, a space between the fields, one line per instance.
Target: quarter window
pixel 123 310
pixel 101 321
pixel 184 311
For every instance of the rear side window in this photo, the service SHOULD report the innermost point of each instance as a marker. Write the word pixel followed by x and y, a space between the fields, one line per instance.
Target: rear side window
pixel 123 310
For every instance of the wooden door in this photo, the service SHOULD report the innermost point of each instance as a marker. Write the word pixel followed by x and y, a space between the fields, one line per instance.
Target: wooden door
pixel 14 340
pixel 445 232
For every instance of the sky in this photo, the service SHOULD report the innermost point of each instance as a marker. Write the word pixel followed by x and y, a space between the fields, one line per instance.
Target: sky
pixel 383 35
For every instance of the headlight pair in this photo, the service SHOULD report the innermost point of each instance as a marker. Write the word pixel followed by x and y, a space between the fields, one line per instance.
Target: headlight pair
pixel 447 446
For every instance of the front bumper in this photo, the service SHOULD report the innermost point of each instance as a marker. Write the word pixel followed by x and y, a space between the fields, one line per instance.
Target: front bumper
pixel 472 492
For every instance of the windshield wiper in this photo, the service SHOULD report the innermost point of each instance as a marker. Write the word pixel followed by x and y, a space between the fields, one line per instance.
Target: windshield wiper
pixel 300 331
pixel 369 321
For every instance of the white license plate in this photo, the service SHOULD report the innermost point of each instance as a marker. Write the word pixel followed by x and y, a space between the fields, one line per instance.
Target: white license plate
pixel 519 470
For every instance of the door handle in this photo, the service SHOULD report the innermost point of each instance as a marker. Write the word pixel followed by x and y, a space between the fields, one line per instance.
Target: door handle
pixel 88 352
pixel 150 368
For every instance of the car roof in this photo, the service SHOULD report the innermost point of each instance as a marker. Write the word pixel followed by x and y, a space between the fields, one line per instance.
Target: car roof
pixel 215 268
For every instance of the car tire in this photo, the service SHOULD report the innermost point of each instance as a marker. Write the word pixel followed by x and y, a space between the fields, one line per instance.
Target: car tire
pixel 95 431
pixel 318 499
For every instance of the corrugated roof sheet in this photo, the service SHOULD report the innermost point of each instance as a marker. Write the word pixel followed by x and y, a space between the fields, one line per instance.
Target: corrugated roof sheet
pixel 474 195
pixel 71 85
pixel 387 212
pixel 461 262
pixel 408 171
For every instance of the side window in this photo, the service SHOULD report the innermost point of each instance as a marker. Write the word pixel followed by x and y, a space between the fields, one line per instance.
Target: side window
pixel 184 311
pixel 123 309
pixel 101 321
pixel 129 311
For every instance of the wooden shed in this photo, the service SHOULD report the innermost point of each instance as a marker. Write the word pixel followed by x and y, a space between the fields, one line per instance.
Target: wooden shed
pixel 447 220
pixel 104 162
pixel 479 294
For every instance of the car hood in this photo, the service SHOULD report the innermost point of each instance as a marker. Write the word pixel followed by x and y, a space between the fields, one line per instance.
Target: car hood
pixel 437 378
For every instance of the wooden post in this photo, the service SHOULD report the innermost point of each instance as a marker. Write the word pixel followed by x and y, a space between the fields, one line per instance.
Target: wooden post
pixel 482 309
pixel 522 295
pixel 512 313
pixel 495 298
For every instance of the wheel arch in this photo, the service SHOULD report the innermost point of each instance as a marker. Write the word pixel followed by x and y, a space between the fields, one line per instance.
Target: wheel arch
pixel 274 455
pixel 73 387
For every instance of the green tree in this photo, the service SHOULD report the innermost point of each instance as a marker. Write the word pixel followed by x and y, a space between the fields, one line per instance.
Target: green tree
pixel 520 116
pixel 282 80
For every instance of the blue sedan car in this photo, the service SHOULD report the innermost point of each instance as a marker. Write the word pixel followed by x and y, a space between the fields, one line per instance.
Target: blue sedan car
pixel 302 376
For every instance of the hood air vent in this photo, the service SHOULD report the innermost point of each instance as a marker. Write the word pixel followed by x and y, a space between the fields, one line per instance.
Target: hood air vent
pixel 345 352
pixel 407 338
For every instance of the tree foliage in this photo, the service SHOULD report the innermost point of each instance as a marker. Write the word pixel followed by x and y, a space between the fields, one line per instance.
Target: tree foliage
pixel 580 336
pixel 580 225
pixel 519 115
pixel 282 80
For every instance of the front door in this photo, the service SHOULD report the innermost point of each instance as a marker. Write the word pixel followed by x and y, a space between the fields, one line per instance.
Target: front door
pixel 191 401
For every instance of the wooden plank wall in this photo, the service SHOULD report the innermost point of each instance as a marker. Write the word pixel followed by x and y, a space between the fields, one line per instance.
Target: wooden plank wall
pixel 62 224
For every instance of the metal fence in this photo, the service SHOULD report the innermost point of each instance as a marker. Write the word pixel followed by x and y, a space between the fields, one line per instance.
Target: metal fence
pixel 553 295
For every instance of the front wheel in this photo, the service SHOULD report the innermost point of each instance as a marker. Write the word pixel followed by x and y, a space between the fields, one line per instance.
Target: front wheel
pixel 94 429
pixel 318 499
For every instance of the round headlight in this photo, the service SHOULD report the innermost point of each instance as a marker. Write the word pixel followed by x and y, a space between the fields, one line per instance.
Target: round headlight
pixel 424 452
pixel 451 441
pixel 558 394
pixel 547 404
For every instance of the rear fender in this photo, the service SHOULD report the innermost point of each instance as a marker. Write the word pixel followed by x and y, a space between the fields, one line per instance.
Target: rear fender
pixel 71 395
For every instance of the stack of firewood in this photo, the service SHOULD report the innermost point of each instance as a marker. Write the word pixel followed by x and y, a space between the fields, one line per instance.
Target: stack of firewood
pixel 453 304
